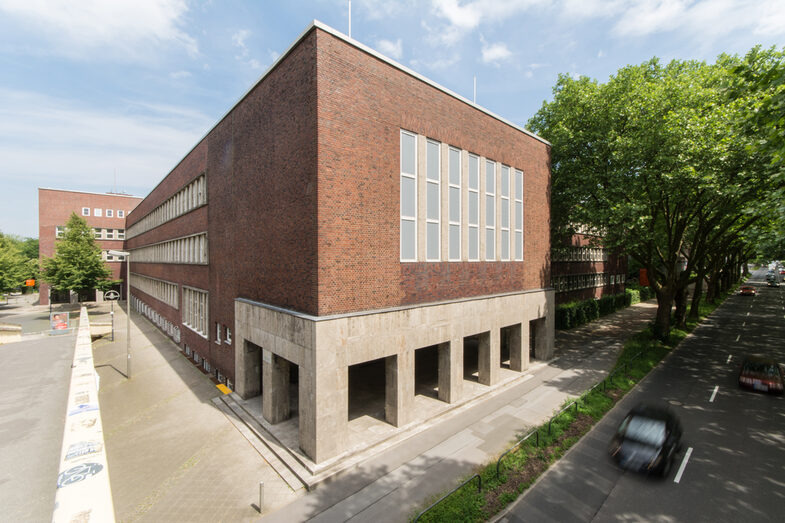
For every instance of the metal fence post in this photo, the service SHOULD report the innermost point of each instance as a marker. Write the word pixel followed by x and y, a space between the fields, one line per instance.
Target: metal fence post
pixel 261 497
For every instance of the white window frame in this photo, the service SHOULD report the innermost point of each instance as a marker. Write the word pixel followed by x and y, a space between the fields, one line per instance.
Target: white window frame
pixel 109 213
pixel 412 176
pixel 490 230
pixel 518 219
pixel 218 333
pixel 450 186
pixel 85 211
pixel 505 188
pixel 120 213
pixel 433 183
pixel 59 231
pixel 474 228
pixel 228 338
pixel 97 212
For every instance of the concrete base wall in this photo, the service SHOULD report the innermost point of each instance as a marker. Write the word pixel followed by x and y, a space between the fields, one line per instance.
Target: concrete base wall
pixel 325 347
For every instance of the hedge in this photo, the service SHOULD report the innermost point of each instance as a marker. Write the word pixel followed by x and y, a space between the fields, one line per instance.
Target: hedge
pixel 576 313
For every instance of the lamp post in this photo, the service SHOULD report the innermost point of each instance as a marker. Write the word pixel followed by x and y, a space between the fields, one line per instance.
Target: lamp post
pixel 127 256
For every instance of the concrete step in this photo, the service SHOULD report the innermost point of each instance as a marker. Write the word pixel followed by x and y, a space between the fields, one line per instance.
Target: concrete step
pixel 291 470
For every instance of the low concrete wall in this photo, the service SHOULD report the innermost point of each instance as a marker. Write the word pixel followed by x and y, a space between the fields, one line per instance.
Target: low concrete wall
pixel 83 491
pixel 10 333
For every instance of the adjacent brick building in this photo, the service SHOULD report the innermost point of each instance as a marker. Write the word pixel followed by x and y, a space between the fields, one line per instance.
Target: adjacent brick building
pixel 104 212
pixel 582 269
pixel 349 217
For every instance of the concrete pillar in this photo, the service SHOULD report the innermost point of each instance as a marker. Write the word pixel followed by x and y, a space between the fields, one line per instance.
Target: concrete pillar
pixel 489 354
pixel 399 393
pixel 323 404
pixel 451 370
pixel 275 397
pixel 249 371
pixel 519 358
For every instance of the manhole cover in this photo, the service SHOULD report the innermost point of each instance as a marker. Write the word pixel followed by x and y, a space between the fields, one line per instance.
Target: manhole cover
pixel 675 403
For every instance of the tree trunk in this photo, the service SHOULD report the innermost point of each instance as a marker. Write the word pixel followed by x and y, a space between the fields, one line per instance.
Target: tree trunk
pixel 696 299
pixel 680 298
pixel 662 325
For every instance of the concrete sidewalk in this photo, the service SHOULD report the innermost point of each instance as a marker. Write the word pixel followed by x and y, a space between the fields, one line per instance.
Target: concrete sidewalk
pixel 394 484
pixel 174 456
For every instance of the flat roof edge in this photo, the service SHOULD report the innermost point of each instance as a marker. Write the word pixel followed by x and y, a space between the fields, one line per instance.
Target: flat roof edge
pixel 91 192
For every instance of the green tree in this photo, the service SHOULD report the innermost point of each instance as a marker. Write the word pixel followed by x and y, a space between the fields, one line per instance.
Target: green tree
pixel 13 265
pixel 653 162
pixel 77 263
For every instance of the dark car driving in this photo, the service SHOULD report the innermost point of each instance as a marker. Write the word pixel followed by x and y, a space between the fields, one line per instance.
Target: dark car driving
pixel 647 440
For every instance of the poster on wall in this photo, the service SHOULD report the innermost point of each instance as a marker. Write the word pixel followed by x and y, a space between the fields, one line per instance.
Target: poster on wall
pixel 59 322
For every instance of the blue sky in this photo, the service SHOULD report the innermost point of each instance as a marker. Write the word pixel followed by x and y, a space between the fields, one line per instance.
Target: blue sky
pixel 97 90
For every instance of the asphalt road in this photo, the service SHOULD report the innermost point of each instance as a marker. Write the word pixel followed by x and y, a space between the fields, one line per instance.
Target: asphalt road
pixel 35 375
pixel 732 467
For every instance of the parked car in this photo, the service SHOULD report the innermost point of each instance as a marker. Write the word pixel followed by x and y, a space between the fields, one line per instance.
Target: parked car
pixel 773 283
pixel 747 290
pixel 647 440
pixel 761 374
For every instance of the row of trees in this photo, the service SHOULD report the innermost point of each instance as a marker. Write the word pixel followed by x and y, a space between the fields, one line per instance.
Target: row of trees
pixel 18 261
pixel 76 265
pixel 673 162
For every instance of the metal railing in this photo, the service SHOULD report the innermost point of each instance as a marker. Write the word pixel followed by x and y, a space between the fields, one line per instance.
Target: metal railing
pixel 479 489
pixel 604 382
pixel 535 432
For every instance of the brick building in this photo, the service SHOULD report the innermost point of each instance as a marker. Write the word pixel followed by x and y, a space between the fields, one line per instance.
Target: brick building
pixel 350 229
pixel 581 269
pixel 104 212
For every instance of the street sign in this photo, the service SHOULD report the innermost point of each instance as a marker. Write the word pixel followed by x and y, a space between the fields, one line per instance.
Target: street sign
pixel 112 295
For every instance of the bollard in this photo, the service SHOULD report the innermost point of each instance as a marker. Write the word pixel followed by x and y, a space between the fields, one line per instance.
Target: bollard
pixel 111 314
pixel 261 496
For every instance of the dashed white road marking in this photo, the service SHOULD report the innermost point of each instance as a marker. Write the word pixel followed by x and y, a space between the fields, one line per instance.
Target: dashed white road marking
pixel 729 355
pixel 683 465
pixel 714 394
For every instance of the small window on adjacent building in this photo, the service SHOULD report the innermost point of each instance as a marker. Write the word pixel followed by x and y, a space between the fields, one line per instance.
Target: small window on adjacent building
pixel 217 332
pixel 109 234
pixel 59 231
pixel 96 212
pixel 120 234
pixel 109 213
pixel 228 332
pixel 97 232
pixel 120 213
pixel 85 211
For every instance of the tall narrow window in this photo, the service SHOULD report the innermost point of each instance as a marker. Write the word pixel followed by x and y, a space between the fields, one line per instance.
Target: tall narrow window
pixel 504 192
pixel 433 200
pixel 518 215
pixel 408 197
pixel 454 237
pixel 490 210
pixel 474 208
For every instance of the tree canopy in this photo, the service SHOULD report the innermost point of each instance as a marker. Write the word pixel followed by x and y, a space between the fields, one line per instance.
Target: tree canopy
pixel 661 161
pixel 77 263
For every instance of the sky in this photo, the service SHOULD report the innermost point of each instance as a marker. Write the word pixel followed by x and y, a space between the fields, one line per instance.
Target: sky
pixel 109 95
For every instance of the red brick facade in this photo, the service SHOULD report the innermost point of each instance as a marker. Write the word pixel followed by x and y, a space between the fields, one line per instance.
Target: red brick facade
pixel 303 184
pixel 567 263
pixel 55 208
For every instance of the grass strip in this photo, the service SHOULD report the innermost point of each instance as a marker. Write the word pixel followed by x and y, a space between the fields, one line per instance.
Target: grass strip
pixel 521 467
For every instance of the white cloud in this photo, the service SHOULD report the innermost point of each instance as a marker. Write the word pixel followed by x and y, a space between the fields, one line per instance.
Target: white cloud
pixel 379 9
pixel 437 64
pixel 463 17
pixel 50 141
pixel 600 54
pixel 130 29
pixel 703 20
pixel 177 75
pixel 494 53
pixel 238 40
pixel 391 49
